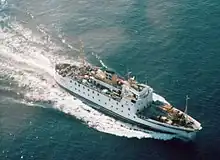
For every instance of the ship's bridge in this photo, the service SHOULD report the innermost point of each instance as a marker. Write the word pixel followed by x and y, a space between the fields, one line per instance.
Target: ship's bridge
pixel 143 92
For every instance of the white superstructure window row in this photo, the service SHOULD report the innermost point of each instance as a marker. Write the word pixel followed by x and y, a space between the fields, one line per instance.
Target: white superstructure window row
pixel 117 105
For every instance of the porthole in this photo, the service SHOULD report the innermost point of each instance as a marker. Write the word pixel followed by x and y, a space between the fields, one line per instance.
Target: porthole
pixel 129 109
pixel 122 105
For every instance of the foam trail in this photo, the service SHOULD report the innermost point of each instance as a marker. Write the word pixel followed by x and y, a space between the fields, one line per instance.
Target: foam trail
pixel 32 67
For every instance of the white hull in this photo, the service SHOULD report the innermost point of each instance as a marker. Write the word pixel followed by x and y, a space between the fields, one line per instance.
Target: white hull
pixel 117 108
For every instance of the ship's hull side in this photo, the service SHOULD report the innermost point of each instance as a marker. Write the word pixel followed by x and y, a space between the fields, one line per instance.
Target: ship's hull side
pixel 111 113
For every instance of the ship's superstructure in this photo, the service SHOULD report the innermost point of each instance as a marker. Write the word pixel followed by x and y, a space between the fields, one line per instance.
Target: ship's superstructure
pixel 124 98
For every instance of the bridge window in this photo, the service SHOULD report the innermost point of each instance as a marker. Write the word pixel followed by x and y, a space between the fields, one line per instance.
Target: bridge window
pixel 133 101
pixel 71 81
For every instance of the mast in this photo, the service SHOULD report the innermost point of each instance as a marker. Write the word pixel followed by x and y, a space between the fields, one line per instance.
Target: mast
pixel 186 107
pixel 82 53
pixel 128 73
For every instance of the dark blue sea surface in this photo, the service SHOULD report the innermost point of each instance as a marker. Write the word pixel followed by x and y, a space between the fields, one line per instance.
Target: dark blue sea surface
pixel 173 46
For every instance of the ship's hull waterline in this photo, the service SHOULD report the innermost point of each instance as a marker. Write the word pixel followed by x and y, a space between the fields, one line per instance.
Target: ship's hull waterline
pixel 112 108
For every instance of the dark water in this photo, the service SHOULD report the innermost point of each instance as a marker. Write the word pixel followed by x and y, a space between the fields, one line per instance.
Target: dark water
pixel 172 45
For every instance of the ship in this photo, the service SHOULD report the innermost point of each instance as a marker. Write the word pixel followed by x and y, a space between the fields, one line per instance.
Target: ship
pixel 124 98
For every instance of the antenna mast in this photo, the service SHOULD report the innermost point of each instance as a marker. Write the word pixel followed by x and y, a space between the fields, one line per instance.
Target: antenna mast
pixel 128 73
pixel 187 98
pixel 82 52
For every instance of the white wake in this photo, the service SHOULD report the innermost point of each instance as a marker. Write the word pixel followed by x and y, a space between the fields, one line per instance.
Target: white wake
pixel 28 58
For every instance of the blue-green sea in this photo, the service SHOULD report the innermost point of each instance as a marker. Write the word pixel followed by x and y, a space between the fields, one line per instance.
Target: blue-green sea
pixel 172 45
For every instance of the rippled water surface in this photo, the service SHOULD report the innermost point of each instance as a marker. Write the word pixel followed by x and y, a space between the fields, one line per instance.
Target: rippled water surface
pixel 171 45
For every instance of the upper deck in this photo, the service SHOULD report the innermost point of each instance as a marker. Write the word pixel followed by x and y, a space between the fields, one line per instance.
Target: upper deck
pixel 103 76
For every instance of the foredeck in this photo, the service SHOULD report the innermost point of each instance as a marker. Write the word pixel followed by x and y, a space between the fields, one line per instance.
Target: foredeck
pixel 166 114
